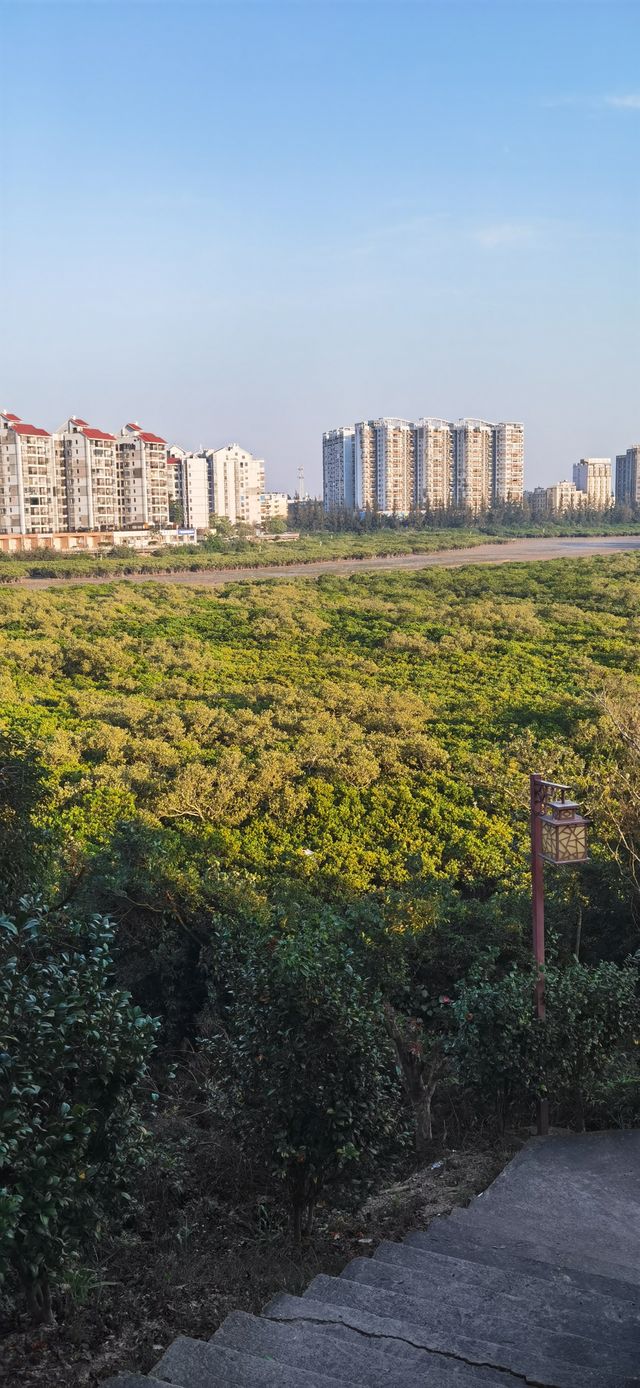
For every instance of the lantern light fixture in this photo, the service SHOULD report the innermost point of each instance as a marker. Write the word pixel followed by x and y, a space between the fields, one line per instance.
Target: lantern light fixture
pixel 564 833
pixel 558 836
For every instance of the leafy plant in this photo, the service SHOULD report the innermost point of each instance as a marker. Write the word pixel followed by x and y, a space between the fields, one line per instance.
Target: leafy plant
pixel 302 1045
pixel 504 1054
pixel 73 1050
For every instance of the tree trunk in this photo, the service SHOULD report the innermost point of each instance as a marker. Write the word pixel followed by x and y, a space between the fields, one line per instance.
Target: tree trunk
pixel 39 1301
pixel 423 1125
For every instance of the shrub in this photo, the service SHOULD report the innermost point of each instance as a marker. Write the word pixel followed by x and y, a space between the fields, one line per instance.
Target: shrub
pixel 508 1057
pixel 73 1050
pixel 304 1052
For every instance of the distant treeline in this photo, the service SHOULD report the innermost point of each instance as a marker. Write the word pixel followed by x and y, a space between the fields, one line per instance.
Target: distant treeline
pixel 310 515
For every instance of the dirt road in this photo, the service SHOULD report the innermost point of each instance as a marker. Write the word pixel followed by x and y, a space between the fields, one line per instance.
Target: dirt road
pixel 506 552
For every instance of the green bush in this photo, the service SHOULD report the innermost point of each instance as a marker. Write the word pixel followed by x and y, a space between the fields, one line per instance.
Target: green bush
pixel 73 1051
pixel 303 1053
pixel 505 1055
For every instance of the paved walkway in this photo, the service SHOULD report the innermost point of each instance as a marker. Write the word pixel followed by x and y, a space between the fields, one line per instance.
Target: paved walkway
pixel 575 547
pixel 537 1282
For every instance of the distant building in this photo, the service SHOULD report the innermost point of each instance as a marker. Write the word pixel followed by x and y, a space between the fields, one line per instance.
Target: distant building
pixel 538 501
pixel 192 474
pixel 433 463
pixel 592 477
pixel 274 506
pixel 87 477
pixel 384 465
pixel 236 484
pixel 28 492
pixel 628 476
pixel 473 463
pixel 338 468
pixel 564 496
pixel 508 463
pixel 66 542
pixel 143 495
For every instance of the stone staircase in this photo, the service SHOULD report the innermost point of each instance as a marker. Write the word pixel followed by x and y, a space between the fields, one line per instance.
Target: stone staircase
pixel 537 1282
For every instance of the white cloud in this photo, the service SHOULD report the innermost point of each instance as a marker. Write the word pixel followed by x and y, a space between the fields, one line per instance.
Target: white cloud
pixel 631 102
pixel 498 234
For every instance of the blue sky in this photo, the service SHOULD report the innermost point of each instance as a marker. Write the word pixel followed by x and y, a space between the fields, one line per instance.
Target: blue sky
pixel 254 221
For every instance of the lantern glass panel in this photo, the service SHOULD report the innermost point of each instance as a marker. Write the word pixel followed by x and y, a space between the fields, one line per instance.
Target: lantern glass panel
pixel 572 842
pixel 549 843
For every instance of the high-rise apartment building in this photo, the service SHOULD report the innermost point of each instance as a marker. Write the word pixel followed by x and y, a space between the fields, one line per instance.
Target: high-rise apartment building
pixel 87 477
pixel 508 463
pixel 473 463
pixel 396 465
pixel 592 476
pixel 236 484
pixel 338 468
pixel 143 496
pixel 28 494
pixel 433 463
pixel 628 476
pixel 385 465
pixel 191 485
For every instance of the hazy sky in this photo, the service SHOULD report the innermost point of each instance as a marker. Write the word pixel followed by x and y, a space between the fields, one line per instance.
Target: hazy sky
pixel 254 221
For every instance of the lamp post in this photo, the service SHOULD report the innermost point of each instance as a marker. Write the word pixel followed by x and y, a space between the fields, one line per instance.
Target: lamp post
pixel 558 836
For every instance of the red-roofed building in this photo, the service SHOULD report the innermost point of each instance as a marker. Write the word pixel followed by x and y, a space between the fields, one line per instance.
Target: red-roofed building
pixel 143 492
pixel 86 469
pixel 28 492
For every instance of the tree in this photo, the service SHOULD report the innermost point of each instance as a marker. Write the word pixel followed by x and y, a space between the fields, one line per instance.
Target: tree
pixel 422 1060
pixel 301 1046
pixel 507 1057
pixel 73 1051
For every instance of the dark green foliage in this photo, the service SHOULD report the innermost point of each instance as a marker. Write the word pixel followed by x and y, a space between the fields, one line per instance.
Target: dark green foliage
pixel 73 1051
pixel 300 1048
pixel 504 1054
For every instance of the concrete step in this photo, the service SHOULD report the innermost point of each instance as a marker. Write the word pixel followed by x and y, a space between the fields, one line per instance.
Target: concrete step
pixel 538 1289
pixel 560 1240
pixel 354 1357
pixel 205 1364
pixel 601 1169
pixel 133 1381
pixel 514 1257
pixel 578 1195
pixel 530 1363
pixel 449 1282
pixel 474 1317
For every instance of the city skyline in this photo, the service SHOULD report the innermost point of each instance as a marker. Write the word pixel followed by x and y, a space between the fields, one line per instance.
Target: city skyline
pixel 313 244
pixel 436 465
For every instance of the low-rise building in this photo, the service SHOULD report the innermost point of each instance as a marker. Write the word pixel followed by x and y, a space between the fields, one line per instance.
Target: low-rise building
pixel 564 496
pixel 274 506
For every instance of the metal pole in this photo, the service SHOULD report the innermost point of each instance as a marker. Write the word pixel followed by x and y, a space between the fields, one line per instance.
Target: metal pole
pixel 537 897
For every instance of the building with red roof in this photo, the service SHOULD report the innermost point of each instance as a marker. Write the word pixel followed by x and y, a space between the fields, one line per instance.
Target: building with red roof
pixel 28 493
pixel 86 469
pixel 80 479
pixel 143 487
